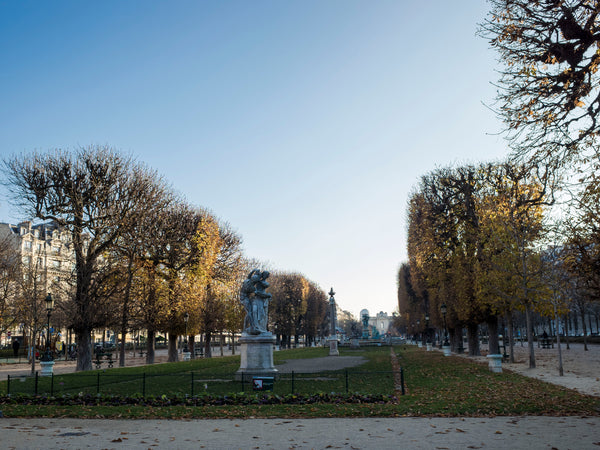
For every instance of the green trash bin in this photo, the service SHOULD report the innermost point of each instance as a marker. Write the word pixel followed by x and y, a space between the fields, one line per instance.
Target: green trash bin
pixel 263 383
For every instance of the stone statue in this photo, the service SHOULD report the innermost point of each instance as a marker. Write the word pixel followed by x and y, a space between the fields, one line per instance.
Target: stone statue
pixel 255 299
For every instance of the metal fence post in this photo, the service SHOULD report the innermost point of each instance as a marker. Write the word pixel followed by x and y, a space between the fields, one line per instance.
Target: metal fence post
pixel 51 384
pixel 242 381
pixel 98 384
pixel 292 381
pixel 8 385
pixel 144 385
pixel 346 381
pixel 36 383
pixel 192 384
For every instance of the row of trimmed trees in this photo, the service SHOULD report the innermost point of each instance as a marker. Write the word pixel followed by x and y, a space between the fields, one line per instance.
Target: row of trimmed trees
pixel 144 258
pixel 299 308
pixel 480 241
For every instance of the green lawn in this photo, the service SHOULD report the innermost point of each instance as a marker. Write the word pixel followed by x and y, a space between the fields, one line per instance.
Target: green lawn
pixel 213 376
pixel 436 385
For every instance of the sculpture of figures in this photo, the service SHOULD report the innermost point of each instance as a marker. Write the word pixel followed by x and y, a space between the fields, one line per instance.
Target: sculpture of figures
pixel 255 299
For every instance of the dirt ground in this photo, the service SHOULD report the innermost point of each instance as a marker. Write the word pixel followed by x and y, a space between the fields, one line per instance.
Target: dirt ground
pixel 581 368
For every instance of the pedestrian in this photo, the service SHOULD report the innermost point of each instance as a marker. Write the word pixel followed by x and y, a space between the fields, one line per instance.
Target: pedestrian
pixel 15 345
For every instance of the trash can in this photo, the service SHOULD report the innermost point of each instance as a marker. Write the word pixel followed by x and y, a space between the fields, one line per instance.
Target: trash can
pixel 263 383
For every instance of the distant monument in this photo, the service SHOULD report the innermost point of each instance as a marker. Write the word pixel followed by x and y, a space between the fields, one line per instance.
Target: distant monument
pixel 364 315
pixel 333 342
pixel 256 342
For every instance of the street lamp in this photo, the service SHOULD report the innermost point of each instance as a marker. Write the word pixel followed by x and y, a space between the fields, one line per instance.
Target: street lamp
pixel 49 307
pixel 444 310
pixel 186 317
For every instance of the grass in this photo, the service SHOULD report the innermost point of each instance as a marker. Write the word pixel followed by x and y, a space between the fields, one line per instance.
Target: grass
pixel 213 376
pixel 436 386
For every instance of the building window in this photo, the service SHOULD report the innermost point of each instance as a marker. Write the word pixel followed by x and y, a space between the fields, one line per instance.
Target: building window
pixel 27 245
pixel 36 233
pixel 40 262
pixel 56 264
pixel 27 260
pixel 39 248
pixel 56 249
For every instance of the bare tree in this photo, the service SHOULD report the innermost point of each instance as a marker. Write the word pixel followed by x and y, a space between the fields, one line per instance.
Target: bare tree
pixel 9 271
pixel 549 88
pixel 93 193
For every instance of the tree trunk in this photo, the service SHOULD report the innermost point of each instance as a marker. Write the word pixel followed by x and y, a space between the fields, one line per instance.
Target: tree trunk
pixel 84 350
pixel 233 343
pixel 494 343
pixel 453 339
pixel 173 356
pixel 207 347
pixel 530 336
pixel 511 336
pixel 122 349
pixel 473 339
pixel 584 329
pixel 150 346
pixel 221 343
pixel 192 346
pixel 32 351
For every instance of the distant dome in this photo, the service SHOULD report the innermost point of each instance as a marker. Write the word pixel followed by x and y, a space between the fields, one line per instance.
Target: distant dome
pixel 364 312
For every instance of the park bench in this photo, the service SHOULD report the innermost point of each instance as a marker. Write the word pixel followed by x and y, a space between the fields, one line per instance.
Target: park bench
pixel 102 357
pixel 199 352
pixel 547 343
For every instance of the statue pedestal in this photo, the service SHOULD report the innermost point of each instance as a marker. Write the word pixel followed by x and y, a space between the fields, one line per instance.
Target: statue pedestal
pixel 47 368
pixel 256 356
pixel 333 346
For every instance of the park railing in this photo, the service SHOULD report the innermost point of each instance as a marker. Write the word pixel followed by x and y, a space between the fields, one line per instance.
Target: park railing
pixel 198 383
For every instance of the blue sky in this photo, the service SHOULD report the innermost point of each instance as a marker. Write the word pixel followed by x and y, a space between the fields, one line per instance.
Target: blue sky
pixel 304 124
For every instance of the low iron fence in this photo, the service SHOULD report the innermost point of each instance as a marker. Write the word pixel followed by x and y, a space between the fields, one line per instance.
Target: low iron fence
pixel 198 383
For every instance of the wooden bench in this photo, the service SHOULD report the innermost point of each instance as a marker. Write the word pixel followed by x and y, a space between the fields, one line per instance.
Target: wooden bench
pixel 547 343
pixel 102 357
pixel 198 353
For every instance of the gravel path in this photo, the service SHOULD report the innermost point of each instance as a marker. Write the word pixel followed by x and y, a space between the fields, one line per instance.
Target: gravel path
pixel 312 365
pixel 357 433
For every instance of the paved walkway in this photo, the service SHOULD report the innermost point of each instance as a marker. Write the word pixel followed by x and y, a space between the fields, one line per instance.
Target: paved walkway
pixel 358 433
pixel 319 364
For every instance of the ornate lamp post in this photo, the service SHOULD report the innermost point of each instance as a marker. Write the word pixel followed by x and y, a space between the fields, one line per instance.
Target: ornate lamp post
pixel 47 361
pixel 49 307
pixel 186 351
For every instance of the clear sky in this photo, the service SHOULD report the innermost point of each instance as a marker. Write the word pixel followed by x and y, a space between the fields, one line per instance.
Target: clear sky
pixel 304 124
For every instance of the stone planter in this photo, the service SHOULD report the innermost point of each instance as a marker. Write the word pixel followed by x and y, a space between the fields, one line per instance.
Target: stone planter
pixel 419 344
pixel 187 356
pixel 429 347
pixel 47 368
pixel 495 363
pixel 446 350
